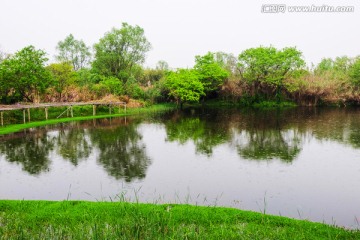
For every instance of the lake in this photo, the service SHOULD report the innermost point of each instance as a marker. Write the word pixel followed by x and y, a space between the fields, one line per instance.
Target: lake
pixel 302 163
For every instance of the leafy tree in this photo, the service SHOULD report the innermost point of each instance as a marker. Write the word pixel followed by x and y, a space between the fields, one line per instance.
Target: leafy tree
pixel 342 64
pixel 162 65
pixel 24 73
pixel 133 89
pixel 354 72
pixel 74 52
pixel 63 76
pixel 210 73
pixel 226 61
pixel 269 66
pixel 120 50
pixel 3 55
pixel 184 85
pixel 326 64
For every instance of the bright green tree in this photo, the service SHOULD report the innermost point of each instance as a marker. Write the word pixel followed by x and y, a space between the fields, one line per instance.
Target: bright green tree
pixel 184 85
pixel 326 64
pixel 210 73
pixel 25 74
pixel 63 76
pixel 354 72
pixel 74 52
pixel 119 52
pixel 269 66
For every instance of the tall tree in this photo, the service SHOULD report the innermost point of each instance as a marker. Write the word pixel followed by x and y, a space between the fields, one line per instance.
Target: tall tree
pixel 3 55
pixel 63 76
pixel 211 74
pixel 25 74
pixel 268 66
pixel 227 61
pixel 185 86
pixel 162 65
pixel 354 71
pixel 74 52
pixel 120 50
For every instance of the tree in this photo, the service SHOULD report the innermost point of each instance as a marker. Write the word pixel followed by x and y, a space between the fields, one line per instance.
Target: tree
pixel 3 55
pixel 184 85
pixel 210 73
pixel 63 76
pixel 354 71
pixel 74 52
pixel 326 64
pixel 120 50
pixel 24 73
pixel 226 61
pixel 162 65
pixel 269 67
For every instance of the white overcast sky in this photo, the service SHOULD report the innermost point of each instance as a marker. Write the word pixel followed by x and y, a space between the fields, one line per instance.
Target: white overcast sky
pixel 180 29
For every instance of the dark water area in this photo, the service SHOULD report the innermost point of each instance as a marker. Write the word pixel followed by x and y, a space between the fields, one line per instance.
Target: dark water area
pixel 302 163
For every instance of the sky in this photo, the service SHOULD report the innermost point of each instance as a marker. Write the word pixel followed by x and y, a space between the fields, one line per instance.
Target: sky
pixel 178 30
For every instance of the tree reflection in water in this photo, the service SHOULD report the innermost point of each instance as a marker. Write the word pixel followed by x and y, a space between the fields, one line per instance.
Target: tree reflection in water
pixel 122 153
pixel 73 144
pixel 254 135
pixel 31 151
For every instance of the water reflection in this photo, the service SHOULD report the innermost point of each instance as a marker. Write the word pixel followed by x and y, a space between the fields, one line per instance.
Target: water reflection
pixel 122 153
pixel 31 151
pixel 254 135
pixel 117 141
pixel 303 161
pixel 204 130
pixel 73 144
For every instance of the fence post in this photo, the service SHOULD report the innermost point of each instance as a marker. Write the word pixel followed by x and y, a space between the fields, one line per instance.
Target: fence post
pixel 46 113
pixel 24 115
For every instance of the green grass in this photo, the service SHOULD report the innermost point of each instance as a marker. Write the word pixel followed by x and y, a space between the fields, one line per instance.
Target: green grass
pixel 80 113
pixel 121 220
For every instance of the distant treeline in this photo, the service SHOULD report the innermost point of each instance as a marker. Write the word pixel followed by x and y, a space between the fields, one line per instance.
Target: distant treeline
pixel 113 68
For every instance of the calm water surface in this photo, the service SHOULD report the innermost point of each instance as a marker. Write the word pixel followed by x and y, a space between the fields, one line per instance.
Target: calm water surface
pixel 301 163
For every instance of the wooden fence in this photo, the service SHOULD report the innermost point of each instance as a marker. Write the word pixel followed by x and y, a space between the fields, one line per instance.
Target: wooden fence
pixel 26 108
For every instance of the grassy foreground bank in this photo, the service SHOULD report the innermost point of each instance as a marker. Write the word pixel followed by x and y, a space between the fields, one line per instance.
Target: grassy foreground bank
pixel 121 220
pixel 80 113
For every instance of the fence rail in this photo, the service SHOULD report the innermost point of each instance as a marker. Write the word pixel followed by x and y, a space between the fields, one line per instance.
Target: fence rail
pixel 26 108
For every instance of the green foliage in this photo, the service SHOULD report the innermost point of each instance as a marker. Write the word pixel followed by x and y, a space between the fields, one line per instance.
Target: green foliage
pixel 226 61
pixel 74 52
pixel 133 89
pixel 120 50
pixel 269 65
pixel 342 64
pixel 151 76
pixel 162 65
pixel 3 55
pixel 107 85
pixel 266 68
pixel 184 85
pixel 23 75
pixel 63 76
pixel 354 72
pixel 326 64
pixel 114 85
pixel 210 73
